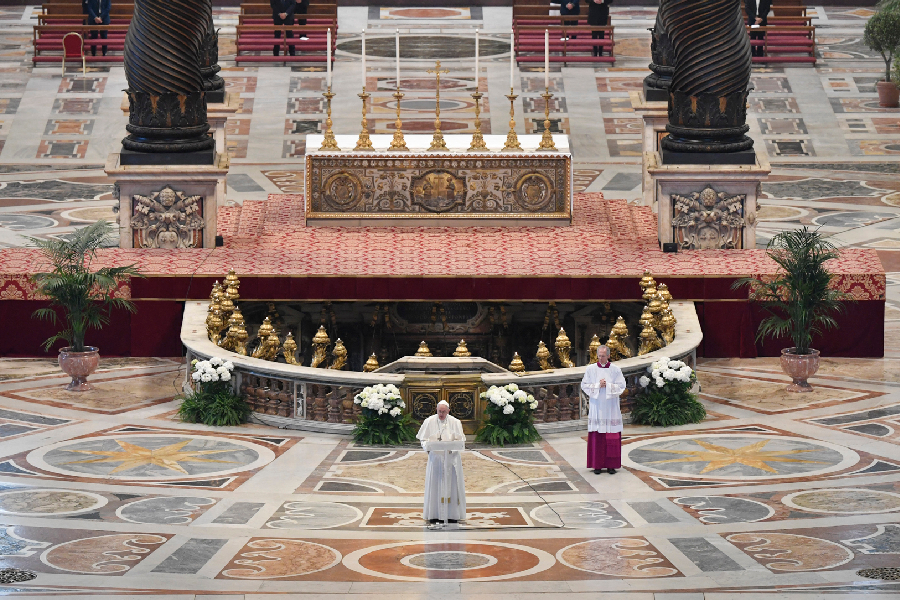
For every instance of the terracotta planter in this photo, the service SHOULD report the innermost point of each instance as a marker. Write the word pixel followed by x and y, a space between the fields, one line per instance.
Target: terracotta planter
pixel 888 94
pixel 78 365
pixel 799 367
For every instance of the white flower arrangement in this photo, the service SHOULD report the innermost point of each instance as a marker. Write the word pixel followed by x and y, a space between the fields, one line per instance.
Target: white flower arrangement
pixel 507 396
pixel 383 399
pixel 214 369
pixel 665 370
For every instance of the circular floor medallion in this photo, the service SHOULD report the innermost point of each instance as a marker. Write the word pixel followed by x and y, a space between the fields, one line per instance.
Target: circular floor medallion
pixel 49 502
pixel 844 501
pixel 449 561
pixel 149 457
pixel 737 457
pixel 616 557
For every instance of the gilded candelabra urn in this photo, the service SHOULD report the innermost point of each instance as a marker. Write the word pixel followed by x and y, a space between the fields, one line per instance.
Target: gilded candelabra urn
pixel 437 141
pixel 364 144
pixel 547 144
pixel 329 143
pixel 371 364
pixel 543 356
pixel 423 350
pixel 512 140
pixel 517 366
pixel 461 350
pixel 563 346
pixel 320 341
pixel 477 137
pixel 398 144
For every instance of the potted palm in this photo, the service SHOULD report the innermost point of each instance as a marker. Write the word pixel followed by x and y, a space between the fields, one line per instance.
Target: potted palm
pixel 83 296
pixel 799 300
pixel 882 34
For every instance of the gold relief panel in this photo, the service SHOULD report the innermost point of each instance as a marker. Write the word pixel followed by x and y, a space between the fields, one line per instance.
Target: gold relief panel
pixel 423 403
pixel 428 186
pixel 462 404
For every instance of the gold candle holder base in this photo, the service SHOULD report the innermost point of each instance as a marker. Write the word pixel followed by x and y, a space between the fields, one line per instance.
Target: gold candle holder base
pixel 398 144
pixel 329 143
pixel 512 140
pixel 364 144
pixel 477 137
pixel 437 141
pixel 547 144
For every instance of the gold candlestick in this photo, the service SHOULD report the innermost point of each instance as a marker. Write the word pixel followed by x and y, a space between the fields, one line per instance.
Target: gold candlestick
pixel 547 144
pixel 512 140
pixel 477 137
pixel 364 144
pixel 437 141
pixel 329 143
pixel 399 143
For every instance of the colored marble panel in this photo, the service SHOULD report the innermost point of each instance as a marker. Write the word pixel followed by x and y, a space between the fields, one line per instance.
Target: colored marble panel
pixel 165 510
pixel 580 515
pixel 885 540
pixel 875 413
pixel 239 513
pixel 724 509
pixel 617 557
pixel 102 555
pixel 705 555
pixel 653 512
pixel 49 502
pixel 11 429
pixel 12 544
pixel 313 515
pixel 488 516
pixel 844 501
pixel 277 558
pixel 191 557
pixel 784 552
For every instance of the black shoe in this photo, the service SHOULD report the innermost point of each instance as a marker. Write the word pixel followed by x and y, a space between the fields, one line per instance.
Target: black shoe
pixel 611 471
pixel 433 521
pixel 452 521
pixel 597 471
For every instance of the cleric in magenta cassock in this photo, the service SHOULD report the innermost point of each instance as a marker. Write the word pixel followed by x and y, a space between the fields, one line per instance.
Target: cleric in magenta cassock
pixel 445 427
pixel 603 382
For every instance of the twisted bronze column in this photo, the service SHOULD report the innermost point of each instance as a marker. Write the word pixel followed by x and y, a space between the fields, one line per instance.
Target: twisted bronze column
pixel 710 83
pixel 662 65
pixel 165 84
pixel 213 85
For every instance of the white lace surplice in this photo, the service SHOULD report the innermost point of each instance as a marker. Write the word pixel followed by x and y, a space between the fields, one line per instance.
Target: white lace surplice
pixel 604 415
pixel 448 430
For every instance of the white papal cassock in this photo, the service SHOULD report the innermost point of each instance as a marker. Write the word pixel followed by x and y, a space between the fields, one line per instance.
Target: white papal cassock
pixel 454 498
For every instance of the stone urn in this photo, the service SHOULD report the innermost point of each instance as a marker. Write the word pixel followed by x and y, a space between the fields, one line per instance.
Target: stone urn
pixel 888 94
pixel 799 367
pixel 78 365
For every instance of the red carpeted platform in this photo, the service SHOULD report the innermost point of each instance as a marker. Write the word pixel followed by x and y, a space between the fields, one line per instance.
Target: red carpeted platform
pixel 600 257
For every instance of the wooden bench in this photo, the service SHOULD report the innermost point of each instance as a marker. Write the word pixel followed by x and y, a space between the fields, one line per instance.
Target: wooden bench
pixel 48 46
pixel 261 38
pixel 785 44
pixel 529 43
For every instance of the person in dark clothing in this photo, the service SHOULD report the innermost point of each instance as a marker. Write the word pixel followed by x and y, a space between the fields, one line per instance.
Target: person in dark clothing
pixel 98 13
pixel 300 9
pixel 283 14
pixel 571 7
pixel 598 14
pixel 758 15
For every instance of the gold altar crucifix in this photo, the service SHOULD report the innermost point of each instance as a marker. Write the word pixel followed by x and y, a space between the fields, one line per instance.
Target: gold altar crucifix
pixel 437 142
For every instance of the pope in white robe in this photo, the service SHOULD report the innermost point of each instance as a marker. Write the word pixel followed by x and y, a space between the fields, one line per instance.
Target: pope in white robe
pixel 603 383
pixel 443 427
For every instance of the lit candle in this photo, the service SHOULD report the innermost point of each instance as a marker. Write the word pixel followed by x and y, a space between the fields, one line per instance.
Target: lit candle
pixel 547 59
pixel 512 60
pixel 477 72
pixel 398 59
pixel 328 61
pixel 364 59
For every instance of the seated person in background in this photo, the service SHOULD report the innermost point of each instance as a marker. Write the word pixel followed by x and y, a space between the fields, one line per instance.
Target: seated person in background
pixel 283 14
pixel 98 14
pixel 301 9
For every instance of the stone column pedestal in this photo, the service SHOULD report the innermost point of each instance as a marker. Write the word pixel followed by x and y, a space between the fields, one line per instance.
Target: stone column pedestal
pixel 188 194
pixel 726 196
pixel 654 118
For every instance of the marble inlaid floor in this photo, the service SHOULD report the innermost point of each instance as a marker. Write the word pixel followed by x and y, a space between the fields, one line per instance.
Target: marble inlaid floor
pixel 774 496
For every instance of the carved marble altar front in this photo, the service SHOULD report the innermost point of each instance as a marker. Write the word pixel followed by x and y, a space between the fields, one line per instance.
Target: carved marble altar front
pixel 453 187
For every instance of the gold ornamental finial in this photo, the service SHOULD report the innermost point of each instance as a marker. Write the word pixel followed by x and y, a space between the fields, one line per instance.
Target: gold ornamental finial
pixel 543 356
pixel 232 284
pixel 437 141
pixel 320 342
pixel 237 333
pixel 461 350
pixel 656 307
pixel 289 350
pixel 268 341
pixel 563 346
pixel 649 292
pixel 646 319
pixel 214 323
pixel 340 356
pixel 663 290
pixel 647 281
pixel 216 289
pixel 649 341
pixel 667 326
pixel 424 350
pixel 593 348
pixel 616 342
pixel 517 366
pixel 620 330
pixel 371 364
